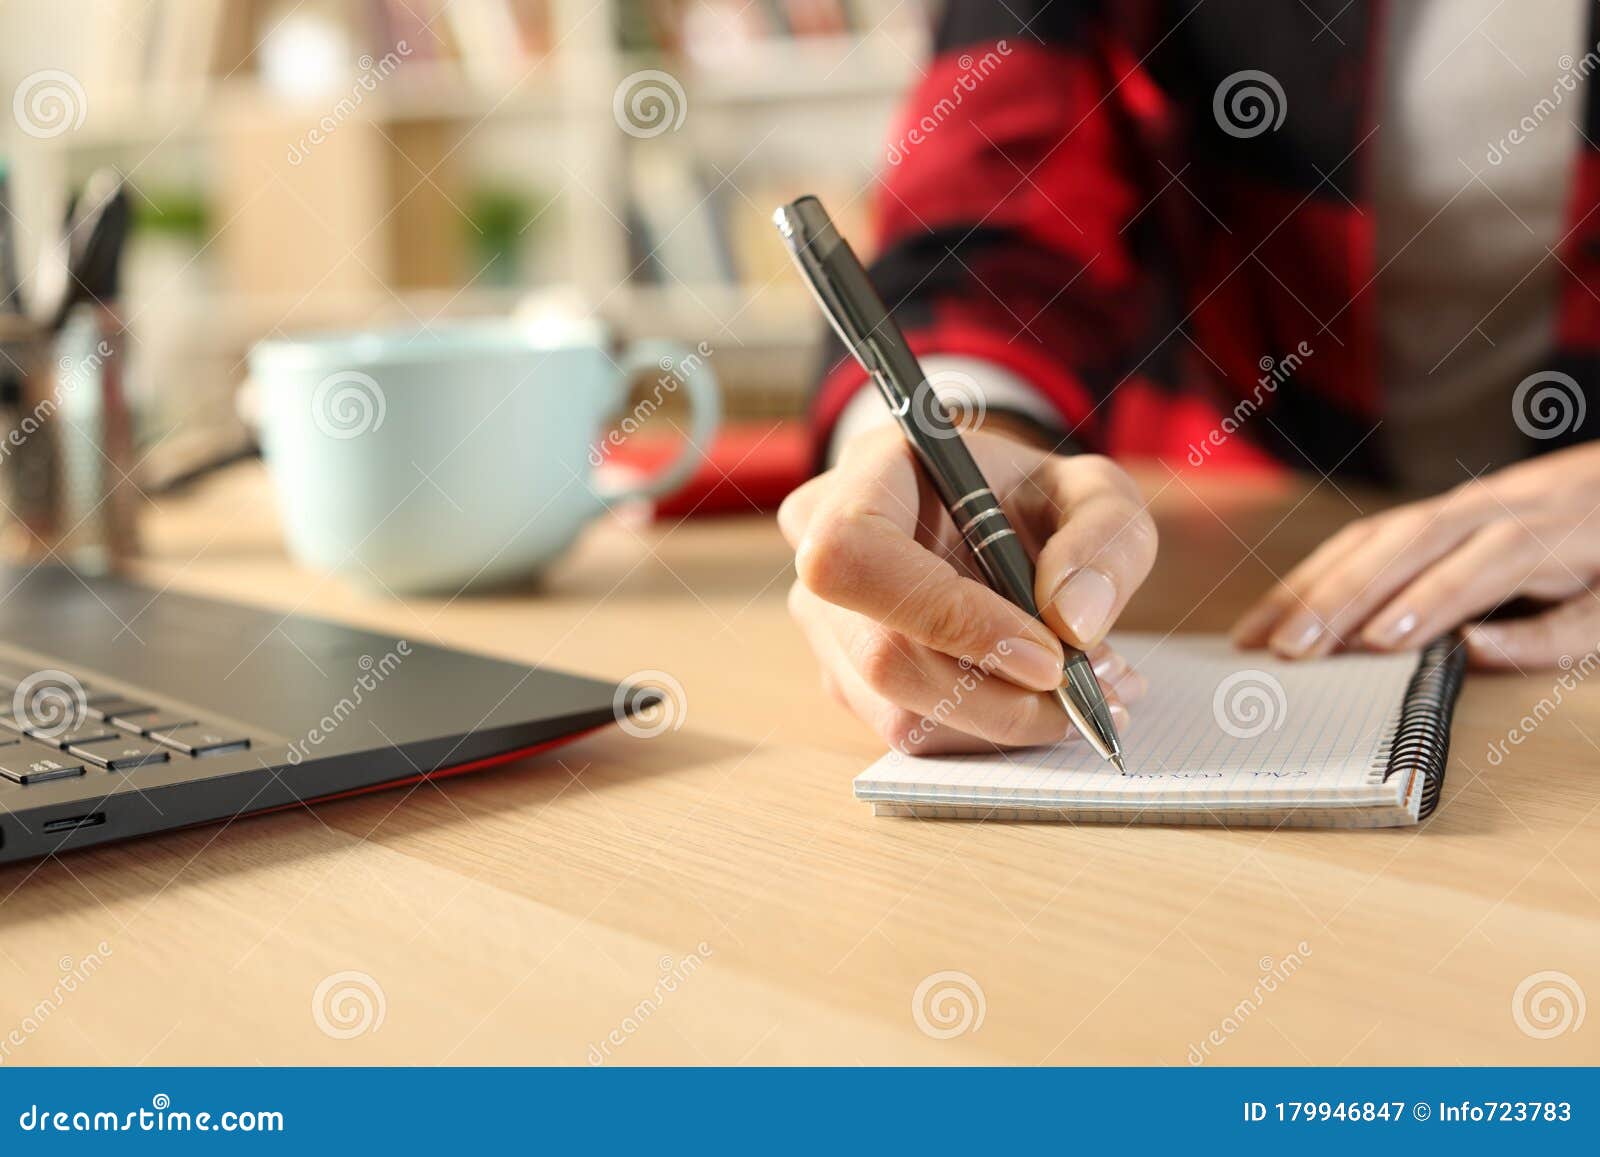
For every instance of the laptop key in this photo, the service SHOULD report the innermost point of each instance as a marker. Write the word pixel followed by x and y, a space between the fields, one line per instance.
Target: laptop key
pixel 197 739
pixel 19 768
pixel 115 707
pixel 87 732
pixel 23 725
pixel 149 724
pixel 121 754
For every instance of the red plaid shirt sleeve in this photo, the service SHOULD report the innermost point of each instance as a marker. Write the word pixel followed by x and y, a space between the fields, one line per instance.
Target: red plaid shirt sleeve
pixel 1008 215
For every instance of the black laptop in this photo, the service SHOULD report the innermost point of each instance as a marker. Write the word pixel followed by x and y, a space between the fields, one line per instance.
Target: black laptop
pixel 126 711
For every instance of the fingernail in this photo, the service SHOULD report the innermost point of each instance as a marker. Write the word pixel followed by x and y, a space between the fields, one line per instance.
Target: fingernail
pixel 1085 603
pixel 1030 664
pixel 1388 632
pixel 1109 665
pixel 1298 635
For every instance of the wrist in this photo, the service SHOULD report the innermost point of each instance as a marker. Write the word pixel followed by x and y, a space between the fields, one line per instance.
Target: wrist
pixel 977 394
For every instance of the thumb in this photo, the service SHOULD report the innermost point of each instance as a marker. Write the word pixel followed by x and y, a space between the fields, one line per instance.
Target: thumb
pixel 1102 549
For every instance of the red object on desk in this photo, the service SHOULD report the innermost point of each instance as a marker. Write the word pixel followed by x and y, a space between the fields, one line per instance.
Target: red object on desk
pixel 748 469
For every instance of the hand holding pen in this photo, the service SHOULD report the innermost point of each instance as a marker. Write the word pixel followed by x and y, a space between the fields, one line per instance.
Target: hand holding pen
pixel 893 618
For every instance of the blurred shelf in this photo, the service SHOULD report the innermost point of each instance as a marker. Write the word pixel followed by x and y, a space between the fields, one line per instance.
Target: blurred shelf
pixel 824 68
pixel 411 168
pixel 831 74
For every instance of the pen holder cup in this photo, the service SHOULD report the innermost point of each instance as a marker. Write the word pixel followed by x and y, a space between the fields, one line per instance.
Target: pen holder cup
pixel 70 492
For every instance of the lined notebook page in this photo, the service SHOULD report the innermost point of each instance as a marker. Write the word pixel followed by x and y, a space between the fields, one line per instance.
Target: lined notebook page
pixel 1218 728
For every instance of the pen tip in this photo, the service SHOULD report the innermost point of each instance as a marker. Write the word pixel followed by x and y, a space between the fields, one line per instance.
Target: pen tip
pixel 1116 761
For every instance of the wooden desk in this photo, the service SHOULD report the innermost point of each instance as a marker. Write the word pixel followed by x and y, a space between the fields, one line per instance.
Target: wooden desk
pixel 525 914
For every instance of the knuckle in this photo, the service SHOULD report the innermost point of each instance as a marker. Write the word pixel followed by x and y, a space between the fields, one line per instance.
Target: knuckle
pixel 1015 726
pixel 1095 465
pixel 826 558
pixel 1413 521
pixel 878 442
pixel 791 510
pixel 902 729
pixel 1468 495
pixel 1353 532
pixel 950 622
pixel 1507 535
pixel 1103 471
pixel 1139 535
pixel 1447 588
pixel 881 662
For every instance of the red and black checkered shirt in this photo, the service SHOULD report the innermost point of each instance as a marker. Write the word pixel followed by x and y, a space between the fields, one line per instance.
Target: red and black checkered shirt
pixel 1064 198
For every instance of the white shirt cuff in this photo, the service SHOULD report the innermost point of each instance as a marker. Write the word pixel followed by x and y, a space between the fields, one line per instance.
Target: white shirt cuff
pixel 964 384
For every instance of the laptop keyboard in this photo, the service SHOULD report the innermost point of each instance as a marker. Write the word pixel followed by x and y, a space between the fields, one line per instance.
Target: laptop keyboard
pixel 55 726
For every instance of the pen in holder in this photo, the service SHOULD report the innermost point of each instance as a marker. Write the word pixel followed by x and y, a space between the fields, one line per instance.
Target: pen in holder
pixel 66 452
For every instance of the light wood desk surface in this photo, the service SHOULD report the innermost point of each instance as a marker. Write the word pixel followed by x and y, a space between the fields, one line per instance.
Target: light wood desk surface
pixel 523 915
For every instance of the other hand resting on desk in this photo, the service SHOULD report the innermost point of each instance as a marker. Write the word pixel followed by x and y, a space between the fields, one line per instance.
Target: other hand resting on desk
pixel 908 636
pixel 1398 579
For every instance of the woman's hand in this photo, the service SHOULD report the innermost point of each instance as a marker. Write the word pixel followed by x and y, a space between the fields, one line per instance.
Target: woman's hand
pixel 909 637
pixel 1398 579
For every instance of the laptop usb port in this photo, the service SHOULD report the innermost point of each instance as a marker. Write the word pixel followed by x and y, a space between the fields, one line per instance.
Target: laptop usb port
pixel 74 823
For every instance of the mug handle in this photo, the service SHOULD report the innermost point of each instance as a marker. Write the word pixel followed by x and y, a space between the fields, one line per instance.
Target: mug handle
pixel 689 369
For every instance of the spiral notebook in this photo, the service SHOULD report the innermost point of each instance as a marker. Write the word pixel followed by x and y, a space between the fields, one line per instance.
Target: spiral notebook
pixel 1222 737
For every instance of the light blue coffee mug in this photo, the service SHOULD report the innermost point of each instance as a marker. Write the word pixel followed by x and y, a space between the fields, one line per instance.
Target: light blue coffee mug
pixel 460 456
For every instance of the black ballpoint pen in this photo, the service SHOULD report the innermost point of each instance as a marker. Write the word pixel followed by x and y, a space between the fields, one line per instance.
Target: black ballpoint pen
pixel 858 314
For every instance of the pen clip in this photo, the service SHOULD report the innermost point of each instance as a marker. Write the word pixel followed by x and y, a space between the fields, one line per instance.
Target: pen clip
pixel 898 400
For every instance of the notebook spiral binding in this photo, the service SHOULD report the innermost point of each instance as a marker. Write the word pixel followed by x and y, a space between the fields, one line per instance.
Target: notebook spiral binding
pixel 1419 738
